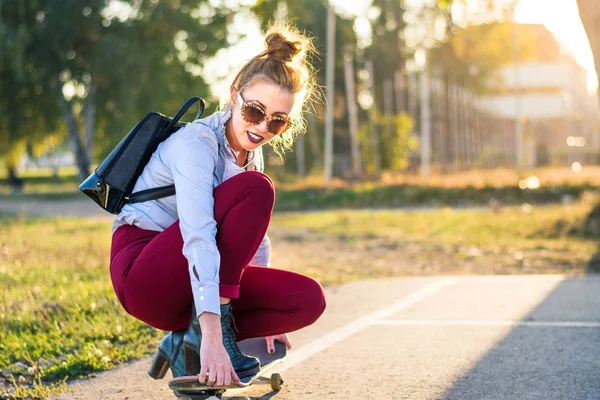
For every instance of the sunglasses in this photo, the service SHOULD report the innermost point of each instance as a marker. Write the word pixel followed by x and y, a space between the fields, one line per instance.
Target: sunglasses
pixel 254 114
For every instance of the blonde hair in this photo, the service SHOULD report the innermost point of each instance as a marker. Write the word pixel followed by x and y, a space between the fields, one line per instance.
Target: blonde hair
pixel 286 62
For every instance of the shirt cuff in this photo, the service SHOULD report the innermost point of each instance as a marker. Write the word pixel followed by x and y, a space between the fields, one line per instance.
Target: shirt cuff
pixel 206 297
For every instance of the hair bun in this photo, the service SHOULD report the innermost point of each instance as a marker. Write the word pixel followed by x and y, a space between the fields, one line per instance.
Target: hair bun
pixel 280 48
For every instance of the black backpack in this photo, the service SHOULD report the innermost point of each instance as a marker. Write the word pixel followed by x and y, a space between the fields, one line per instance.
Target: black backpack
pixel 111 184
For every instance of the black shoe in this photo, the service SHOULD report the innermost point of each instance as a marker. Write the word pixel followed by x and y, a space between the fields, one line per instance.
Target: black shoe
pixel 243 365
pixel 169 355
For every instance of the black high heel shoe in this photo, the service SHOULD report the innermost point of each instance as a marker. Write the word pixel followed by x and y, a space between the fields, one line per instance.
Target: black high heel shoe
pixel 244 365
pixel 169 355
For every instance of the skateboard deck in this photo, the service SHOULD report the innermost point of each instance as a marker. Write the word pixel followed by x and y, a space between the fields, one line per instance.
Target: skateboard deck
pixel 188 386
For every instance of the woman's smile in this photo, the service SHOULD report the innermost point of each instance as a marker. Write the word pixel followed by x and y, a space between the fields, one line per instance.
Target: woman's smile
pixel 254 138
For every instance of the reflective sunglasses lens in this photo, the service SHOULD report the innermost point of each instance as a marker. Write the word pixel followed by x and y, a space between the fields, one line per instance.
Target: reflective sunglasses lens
pixel 253 115
pixel 277 126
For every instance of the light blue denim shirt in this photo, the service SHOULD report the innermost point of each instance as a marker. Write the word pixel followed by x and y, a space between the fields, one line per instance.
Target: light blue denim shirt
pixel 196 158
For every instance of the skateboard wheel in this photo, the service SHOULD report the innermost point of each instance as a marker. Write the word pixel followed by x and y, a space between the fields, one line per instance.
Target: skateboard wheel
pixel 276 381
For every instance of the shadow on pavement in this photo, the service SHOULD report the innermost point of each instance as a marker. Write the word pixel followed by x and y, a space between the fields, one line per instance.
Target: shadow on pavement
pixel 557 360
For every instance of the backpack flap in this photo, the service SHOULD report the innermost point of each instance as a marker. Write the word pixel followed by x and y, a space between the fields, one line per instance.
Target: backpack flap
pixel 95 188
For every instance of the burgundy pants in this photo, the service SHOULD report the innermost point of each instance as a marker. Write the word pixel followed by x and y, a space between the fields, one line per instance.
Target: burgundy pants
pixel 151 279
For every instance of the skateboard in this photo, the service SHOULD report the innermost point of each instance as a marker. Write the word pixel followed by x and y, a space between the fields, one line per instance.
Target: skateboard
pixel 188 387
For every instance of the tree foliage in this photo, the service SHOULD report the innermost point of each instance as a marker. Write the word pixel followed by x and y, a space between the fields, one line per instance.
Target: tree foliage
pixel 88 70
pixel 92 68
pixel 310 16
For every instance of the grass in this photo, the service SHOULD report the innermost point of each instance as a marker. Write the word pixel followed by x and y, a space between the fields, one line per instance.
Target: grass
pixel 60 319
pixel 58 313
pixel 41 184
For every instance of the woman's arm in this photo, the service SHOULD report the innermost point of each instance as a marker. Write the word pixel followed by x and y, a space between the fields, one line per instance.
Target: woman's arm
pixel 193 158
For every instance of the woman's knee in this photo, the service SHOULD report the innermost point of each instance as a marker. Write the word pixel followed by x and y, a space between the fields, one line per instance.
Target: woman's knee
pixel 312 304
pixel 259 184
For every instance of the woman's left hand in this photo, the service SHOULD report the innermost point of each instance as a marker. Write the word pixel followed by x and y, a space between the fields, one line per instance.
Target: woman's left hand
pixel 280 338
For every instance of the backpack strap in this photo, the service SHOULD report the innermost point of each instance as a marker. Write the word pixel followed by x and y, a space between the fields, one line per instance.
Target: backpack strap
pixel 186 106
pixel 169 190
pixel 151 194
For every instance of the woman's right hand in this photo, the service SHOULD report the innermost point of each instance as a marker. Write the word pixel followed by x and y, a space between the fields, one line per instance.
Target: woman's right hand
pixel 215 365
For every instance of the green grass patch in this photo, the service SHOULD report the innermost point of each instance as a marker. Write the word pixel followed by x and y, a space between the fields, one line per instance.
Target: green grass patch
pixel 59 316
pixel 60 319
pixel 519 225
pixel 370 195
pixel 42 185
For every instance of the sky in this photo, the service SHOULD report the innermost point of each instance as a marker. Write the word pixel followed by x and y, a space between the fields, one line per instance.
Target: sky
pixel 561 17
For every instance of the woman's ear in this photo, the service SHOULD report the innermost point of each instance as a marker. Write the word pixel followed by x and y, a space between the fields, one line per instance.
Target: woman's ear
pixel 232 95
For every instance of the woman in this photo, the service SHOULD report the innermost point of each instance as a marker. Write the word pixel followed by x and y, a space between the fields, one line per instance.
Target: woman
pixel 194 262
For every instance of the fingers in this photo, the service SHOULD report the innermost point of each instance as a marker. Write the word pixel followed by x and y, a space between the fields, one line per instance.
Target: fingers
pixel 283 339
pixel 234 376
pixel 202 374
pixel 280 338
pixel 221 379
pixel 227 378
pixel 213 374
pixel 270 344
pixel 212 377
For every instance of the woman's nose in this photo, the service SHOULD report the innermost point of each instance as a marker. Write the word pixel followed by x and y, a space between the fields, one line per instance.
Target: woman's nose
pixel 262 127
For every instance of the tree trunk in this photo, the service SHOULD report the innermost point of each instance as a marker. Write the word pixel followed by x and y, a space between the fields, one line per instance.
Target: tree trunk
pixel 313 138
pixel 14 181
pixel 388 107
pixel 589 11
pixel 330 79
pixel 300 158
pixel 81 159
pixel 425 142
pixel 352 116
pixel 399 86
pixel 374 134
pixel 90 120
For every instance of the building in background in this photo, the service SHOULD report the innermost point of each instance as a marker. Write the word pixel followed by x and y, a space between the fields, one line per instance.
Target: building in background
pixel 549 91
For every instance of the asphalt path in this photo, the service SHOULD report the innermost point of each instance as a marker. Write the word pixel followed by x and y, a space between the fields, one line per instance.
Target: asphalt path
pixel 80 207
pixel 446 338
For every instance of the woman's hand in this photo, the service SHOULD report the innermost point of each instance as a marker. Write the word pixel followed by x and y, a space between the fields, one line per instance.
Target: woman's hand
pixel 280 338
pixel 215 365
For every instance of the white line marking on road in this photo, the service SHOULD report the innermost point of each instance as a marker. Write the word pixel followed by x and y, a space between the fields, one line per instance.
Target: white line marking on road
pixel 318 345
pixel 307 351
pixel 512 278
pixel 552 324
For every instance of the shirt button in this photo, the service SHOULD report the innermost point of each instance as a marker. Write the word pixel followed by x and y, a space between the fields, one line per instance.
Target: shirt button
pixel 201 297
pixel 201 289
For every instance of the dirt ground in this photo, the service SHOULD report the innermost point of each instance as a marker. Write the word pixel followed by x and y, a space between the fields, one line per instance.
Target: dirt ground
pixel 379 258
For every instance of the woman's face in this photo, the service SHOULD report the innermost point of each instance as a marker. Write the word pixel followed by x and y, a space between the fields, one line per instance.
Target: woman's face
pixel 274 100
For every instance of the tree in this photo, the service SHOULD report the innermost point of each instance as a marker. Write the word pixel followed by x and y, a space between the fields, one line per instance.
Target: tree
pixel 311 16
pixel 28 118
pixel 102 64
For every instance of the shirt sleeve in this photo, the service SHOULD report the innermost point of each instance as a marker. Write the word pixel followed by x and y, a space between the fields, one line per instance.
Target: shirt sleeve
pixel 194 159
pixel 262 258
